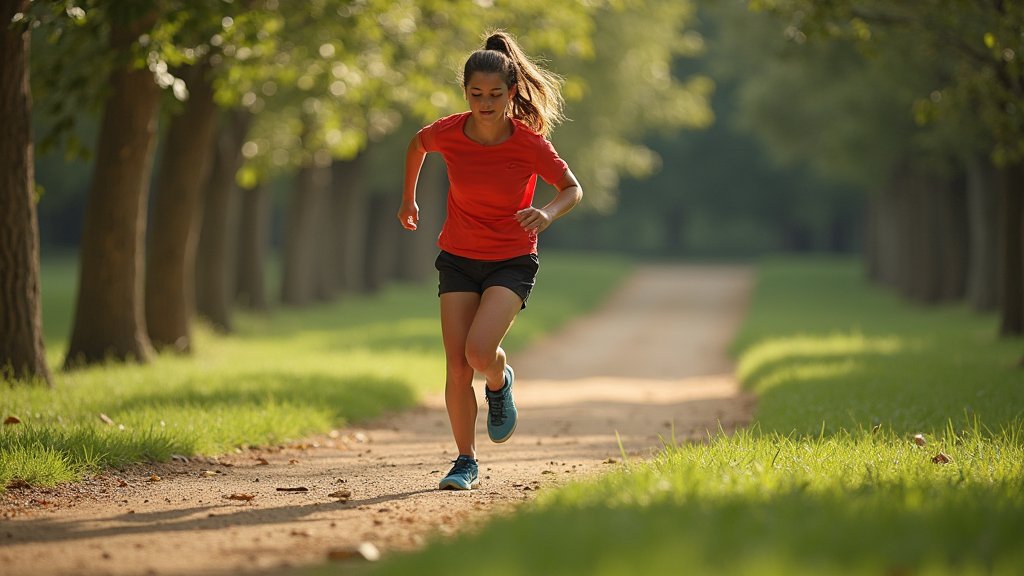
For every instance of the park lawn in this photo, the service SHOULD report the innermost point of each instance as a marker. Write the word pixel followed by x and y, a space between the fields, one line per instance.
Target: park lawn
pixel 282 376
pixel 828 479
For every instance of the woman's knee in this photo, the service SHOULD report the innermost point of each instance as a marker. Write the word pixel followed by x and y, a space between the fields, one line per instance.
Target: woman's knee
pixel 459 369
pixel 480 356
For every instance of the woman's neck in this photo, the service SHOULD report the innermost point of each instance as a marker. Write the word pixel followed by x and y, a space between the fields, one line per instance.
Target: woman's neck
pixel 488 134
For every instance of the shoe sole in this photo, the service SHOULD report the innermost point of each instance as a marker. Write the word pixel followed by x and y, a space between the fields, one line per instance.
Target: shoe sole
pixel 453 485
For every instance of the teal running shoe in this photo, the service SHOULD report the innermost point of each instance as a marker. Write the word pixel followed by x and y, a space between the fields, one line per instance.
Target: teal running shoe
pixel 501 410
pixel 464 475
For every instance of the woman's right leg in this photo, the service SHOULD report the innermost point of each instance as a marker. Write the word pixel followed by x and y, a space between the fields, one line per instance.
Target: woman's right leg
pixel 458 309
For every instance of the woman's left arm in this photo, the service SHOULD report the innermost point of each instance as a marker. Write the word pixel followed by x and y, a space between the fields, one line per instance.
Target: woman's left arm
pixel 569 195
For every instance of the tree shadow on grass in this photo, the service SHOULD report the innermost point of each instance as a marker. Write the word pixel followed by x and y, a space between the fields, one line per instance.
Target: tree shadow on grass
pixel 971 529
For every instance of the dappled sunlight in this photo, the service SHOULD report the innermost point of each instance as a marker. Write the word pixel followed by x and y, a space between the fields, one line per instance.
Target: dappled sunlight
pixel 770 363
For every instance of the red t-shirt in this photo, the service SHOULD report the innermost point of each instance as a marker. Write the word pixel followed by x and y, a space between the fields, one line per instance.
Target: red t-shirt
pixel 489 184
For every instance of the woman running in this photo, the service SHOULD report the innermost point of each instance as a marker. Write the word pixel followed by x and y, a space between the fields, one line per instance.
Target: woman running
pixel 488 261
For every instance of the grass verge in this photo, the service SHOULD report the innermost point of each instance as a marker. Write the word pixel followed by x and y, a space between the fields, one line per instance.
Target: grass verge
pixel 281 376
pixel 828 480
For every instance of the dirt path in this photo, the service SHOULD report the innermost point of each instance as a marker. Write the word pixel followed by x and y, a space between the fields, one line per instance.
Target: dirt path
pixel 650 362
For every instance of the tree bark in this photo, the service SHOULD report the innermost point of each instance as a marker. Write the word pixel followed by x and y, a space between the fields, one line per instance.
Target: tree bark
pixel 109 319
pixel 214 269
pixel 301 241
pixel 177 213
pixel 253 242
pixel 1012 250
pixel 22 353
pixel 983 218
pixel 351 211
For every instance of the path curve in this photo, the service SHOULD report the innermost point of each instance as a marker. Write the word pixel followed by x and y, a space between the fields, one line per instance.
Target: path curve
pixel 650 364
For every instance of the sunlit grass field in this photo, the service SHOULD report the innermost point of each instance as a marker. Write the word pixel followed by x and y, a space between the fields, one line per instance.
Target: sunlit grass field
pixel 828 479
pixel 284 375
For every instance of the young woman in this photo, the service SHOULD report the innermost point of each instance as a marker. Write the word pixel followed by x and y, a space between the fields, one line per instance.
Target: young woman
pixel 488 260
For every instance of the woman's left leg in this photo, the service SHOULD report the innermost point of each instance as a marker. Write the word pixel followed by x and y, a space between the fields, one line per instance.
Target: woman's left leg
pixel 498 309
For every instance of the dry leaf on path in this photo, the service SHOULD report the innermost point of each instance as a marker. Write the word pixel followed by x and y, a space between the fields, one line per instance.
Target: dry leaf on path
pixel 941 458
pixel 365 551
pixel 262 462
pixel 240 496
pixel 154 478
pixel 209 473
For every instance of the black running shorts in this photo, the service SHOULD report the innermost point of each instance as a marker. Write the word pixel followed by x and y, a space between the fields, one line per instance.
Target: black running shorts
pixel 458 274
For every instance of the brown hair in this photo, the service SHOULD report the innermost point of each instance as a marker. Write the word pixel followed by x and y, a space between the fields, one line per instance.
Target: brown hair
pixel 538 100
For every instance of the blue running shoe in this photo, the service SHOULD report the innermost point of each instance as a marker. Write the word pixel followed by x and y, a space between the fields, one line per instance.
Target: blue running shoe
pixel 501 410
pixel 464 475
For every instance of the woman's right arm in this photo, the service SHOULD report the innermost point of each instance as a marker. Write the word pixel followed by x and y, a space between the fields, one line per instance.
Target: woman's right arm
pixel 409 212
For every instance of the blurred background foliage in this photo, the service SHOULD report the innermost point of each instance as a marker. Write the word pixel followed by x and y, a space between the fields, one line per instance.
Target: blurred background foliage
pixel 698 129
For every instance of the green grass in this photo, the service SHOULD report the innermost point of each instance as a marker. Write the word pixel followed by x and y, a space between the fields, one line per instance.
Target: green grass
pixel 827 480
pixel 284 375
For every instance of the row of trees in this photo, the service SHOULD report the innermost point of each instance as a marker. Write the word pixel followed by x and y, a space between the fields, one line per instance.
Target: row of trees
pixel 254 92
pixel 921 105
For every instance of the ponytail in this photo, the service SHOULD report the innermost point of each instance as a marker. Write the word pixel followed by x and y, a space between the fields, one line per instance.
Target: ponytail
pixel 538 99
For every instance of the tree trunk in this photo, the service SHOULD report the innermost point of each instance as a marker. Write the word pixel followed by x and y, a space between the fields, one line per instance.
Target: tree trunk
pixel 253 242
pixel 982 214
pixel 951 233
pixel 382 235
pixel 177 214
pixel 415 252
pixel 872 237
pixel 214 270
pixel 301 241
pixel 109 319
pixel 351 213
pixel 1012 251
pixel 22 354
pixel 327 272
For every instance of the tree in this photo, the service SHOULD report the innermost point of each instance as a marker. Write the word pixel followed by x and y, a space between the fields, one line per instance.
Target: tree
pixel 109 318
pixel 177 215
pixel 21 340
pixel 979 44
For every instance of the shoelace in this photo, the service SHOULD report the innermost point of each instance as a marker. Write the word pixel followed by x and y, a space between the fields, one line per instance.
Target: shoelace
pixel 496 409
pixel 462 466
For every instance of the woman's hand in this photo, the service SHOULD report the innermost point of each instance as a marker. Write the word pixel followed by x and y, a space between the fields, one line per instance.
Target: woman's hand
pixel 534 219
pixel 409 215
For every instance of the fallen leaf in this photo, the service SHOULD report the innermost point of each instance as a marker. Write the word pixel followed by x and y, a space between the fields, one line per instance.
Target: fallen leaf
pixel 153 478
pixel 919 439
pixel 209 473
pixel 179 458
pixel 341 494
pixel 262 462
pixel 941 458
pixel 240 496
pixel 121 483
pixel 12 420
pixel 106 419
pixel 365 551
pixel 293 461
pixel 296 489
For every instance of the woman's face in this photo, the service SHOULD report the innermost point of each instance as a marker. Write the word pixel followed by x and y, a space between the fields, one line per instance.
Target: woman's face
pixel 488 96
